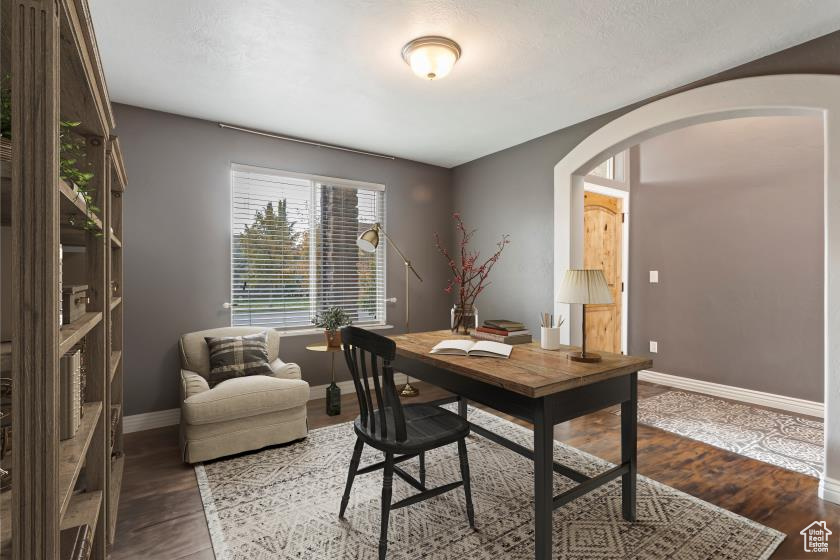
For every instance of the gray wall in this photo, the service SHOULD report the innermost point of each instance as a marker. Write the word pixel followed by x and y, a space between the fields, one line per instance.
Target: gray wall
pixel 177 239
pixel 512 190
pixel 731 215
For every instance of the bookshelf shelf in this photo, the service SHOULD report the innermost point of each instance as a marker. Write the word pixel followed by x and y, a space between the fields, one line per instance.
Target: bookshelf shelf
pixel 83 510
pixel 74 208
pixel 115 241
pixel 115 302
pixel 116 356
pixel 72 333
pixel 72 453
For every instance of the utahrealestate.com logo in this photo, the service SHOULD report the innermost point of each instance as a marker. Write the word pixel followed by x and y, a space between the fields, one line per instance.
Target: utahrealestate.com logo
pixel 816 537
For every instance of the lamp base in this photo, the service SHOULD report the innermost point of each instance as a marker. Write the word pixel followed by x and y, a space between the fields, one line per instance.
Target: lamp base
pixel 409 390
pixel 588 357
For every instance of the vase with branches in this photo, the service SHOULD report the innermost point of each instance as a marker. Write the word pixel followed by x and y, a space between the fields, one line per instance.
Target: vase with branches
pixel 469 276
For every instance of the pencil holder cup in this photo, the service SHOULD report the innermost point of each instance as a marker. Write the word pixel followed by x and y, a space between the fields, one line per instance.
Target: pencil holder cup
pixel 550 338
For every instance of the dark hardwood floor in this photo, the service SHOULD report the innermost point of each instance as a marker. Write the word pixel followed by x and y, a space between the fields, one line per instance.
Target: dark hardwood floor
pixel 161 516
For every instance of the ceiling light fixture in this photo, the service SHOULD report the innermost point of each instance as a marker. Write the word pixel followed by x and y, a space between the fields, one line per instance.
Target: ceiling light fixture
pixel 431 58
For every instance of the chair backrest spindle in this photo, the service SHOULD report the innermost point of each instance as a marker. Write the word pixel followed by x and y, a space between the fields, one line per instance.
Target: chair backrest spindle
pixel 389 411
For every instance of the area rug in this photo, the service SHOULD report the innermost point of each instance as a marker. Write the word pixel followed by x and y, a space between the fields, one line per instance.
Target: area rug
pixel 283 503
pixel 783 440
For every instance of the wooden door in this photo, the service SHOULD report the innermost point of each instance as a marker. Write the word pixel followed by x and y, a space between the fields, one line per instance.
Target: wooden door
pixel 602 222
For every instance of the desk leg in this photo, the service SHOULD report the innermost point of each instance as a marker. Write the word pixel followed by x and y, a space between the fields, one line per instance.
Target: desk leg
pixel 462 407
pixel 543 483
pixel 628 451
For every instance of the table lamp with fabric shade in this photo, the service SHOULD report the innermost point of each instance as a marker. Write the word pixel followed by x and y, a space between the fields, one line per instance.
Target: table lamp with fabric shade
pixel 587 286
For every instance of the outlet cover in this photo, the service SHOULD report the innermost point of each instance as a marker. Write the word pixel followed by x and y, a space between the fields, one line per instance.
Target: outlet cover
pixel 654 277
pixel 654 346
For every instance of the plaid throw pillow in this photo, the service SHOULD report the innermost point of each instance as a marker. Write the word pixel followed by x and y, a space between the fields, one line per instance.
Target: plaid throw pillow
pixel 237 356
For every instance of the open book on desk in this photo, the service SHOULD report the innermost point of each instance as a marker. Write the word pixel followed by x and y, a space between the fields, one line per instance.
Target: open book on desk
pixel 482 348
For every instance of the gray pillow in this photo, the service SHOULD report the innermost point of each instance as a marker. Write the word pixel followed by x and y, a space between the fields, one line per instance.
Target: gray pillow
pixel 237 356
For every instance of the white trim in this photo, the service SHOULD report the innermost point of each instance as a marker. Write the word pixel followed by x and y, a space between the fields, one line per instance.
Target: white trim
pixel 310 332
pixel 318 391
pixel 784 94
pixel 625 250
pixel 781 402
pixel 829 489
pixel 151 420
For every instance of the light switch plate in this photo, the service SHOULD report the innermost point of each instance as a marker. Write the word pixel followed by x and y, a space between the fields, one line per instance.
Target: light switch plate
pixel 654 346
pixel 654 277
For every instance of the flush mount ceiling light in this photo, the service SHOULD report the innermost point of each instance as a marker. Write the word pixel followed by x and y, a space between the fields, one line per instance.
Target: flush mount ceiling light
pixel 431 58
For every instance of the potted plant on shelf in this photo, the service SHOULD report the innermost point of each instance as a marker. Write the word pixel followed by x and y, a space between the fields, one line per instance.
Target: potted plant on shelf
pixel 469 277
pixel 72 150
pixel 331 320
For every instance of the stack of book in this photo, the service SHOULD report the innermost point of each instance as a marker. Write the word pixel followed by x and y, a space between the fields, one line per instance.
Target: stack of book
pixel 502 330
pixel 70 394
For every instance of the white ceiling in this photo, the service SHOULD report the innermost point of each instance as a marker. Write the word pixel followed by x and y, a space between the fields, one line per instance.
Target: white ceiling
pixel 331 70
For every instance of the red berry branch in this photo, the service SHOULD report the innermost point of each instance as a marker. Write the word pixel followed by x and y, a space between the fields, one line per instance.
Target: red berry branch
pixel 468 277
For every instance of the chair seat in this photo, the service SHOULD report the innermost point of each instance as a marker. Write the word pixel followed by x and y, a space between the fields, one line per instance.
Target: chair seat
pixel 242 397
pixel 426 427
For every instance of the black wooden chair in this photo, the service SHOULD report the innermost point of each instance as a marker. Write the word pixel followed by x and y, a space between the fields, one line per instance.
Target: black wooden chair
pixel 401 432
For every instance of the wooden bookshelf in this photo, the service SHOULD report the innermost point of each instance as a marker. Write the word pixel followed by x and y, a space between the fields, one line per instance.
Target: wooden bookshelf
pixel 51 49
pixel 116 357
pixel 84 509
pixel 117 467
pixel 72 333
pixel 72 453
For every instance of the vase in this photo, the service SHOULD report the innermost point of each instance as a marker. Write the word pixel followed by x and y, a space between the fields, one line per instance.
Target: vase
pixel 463 319
pixel 333 339
pixel 333 399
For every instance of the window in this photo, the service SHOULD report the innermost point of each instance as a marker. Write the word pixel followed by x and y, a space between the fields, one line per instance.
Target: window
pixel 612 168
pixel 294 252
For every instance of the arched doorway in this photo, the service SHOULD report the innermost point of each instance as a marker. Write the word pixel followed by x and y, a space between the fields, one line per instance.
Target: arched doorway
pixel 766 95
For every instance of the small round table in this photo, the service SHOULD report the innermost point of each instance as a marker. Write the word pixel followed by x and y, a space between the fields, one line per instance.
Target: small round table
pixel 333 390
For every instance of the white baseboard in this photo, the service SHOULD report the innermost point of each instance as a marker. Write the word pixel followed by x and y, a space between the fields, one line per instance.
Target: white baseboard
pixel 781 402
pixel 171 417
pixel 151 420
pixel 829 490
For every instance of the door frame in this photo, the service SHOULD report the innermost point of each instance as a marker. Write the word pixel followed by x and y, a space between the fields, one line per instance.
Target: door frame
pixel 784 94
pixel 625 248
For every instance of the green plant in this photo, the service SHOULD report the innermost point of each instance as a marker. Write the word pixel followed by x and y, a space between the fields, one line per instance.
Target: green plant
pixel 71 170
pixel 332 319
pixel 6 107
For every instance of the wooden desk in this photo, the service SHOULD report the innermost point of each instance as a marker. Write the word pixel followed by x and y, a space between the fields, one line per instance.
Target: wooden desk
pixel 545 388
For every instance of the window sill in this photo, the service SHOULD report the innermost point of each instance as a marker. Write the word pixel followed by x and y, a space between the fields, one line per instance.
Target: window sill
pixel 310 332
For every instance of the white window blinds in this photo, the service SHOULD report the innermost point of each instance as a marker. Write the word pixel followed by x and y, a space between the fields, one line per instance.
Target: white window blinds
pixel 294 252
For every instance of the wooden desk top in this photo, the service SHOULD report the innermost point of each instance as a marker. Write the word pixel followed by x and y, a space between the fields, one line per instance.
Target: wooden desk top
pixel 530 370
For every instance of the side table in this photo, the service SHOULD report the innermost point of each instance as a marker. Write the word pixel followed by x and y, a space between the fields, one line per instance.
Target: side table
pixel 333 390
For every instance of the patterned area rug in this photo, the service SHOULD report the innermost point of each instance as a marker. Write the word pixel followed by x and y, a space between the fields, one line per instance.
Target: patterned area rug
pixel 283 503
pixel 787 441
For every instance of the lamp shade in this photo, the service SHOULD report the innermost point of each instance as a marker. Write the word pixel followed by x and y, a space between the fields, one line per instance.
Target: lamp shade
pixel 584 286
pixel 369 240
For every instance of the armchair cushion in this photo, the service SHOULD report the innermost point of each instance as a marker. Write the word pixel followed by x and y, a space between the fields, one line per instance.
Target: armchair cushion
pixel 242 397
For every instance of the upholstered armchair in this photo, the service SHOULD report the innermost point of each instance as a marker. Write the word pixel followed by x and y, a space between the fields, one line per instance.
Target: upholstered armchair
pixel 240 414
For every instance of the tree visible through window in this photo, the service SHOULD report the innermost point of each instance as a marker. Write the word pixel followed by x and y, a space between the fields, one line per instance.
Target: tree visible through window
pixel 294 249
